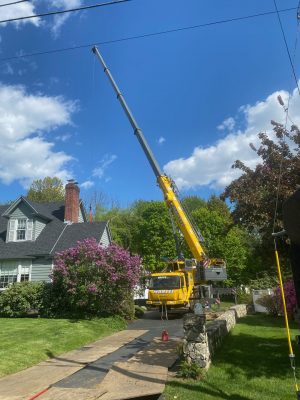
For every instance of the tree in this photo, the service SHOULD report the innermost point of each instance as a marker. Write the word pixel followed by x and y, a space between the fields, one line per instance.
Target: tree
pixel 224 239
pixel 192 203
pixel 121 223
pixel 145 228
pixel 45 190
pixel 254 193
pixel 152 235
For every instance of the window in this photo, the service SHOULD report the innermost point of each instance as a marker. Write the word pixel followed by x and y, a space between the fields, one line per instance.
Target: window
pixel 24 273
pixel 165 282
pixel 19 229
pixel 14 271
pixel 8 274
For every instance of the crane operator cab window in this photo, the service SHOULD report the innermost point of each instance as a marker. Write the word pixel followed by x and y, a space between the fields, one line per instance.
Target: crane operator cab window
pixel 164 282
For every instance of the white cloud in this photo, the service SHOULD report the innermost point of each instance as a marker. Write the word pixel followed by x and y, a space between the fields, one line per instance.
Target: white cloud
pixel 63 138
pixel 211 166
pixel 228 123
pixel 161 140
pixel 59 20
pixel 87 184
pixel 19 10
pixel 104 163
pixel 25 154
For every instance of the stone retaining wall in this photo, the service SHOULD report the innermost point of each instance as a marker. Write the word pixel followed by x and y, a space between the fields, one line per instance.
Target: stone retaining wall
pixel 201 341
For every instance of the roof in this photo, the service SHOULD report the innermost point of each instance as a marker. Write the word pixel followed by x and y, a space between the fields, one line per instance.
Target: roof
pixel 56 236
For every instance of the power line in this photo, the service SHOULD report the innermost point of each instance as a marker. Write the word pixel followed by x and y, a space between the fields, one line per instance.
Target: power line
pixel 14 2
pixel 64 11
pixel 286 46
pixel 185 28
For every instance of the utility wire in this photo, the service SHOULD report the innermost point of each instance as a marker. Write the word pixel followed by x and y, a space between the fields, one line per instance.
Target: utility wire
pixel 165 32
pixel 14 2
pixel 64 11
pixel 286 45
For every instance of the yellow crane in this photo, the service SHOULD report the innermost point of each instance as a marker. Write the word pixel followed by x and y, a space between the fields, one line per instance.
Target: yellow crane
pixel 178 285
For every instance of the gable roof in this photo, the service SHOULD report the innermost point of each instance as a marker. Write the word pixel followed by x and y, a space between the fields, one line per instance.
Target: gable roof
pixel 77 232
pixel 43 210
pixel 56 236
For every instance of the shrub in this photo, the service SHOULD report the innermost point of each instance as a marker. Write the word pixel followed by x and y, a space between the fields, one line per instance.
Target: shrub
pixel 243 297
pixel 91 280
pixel 20 299
pixel 138 311
pixel 271 302
pixel 290 297
pixel 191 370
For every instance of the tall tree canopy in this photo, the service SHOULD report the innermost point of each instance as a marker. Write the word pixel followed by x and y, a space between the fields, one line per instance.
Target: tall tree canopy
pixel 145 229
pixel 254 193
pixel 47 189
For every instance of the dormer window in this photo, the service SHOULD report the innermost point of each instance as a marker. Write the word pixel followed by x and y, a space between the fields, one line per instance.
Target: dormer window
pixel 19 229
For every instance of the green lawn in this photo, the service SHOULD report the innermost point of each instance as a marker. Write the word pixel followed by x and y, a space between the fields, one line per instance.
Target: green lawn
pixel 252 364
pixel 27 341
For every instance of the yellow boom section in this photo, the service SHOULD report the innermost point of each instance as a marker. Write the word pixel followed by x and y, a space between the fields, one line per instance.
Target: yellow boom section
pixel 184 224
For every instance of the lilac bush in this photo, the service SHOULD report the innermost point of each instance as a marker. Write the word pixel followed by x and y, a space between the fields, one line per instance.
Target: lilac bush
pixel 90 280
pixel 290 297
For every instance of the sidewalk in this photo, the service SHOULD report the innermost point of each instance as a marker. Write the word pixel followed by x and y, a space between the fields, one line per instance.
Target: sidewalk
pixel 125 365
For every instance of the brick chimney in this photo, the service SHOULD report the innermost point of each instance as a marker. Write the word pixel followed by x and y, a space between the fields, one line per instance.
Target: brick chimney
pixel 71 202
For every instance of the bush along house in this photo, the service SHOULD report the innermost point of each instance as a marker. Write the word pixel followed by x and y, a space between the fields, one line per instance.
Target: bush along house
pixel 31 233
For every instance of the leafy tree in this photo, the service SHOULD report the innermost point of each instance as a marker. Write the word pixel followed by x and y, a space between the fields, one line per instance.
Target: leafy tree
pixel 121 224
pixel 152 236
pixel 47 189
pixel 193 203
pixel 254 193
pixel 225 240
pixel 145 229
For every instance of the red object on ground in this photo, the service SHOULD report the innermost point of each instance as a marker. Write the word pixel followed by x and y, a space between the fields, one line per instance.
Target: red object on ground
pixel 164 336
pixel 38 394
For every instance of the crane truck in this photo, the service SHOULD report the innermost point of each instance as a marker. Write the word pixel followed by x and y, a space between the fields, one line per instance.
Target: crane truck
pixel 179 284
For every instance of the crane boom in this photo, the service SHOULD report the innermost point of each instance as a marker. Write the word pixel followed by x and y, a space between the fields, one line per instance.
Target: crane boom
pixel 166 184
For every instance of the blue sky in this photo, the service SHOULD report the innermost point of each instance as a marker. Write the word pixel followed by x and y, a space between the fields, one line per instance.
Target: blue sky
pixel 200 95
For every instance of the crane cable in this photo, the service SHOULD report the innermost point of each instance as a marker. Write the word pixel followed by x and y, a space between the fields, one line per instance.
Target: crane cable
pixel 288 332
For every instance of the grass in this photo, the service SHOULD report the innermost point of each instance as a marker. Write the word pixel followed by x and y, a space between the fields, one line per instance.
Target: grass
pixel 252 364
pixel 224 306
pixel 25 341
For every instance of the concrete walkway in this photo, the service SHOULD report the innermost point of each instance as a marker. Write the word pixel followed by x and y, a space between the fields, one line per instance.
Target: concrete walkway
pixel 125 365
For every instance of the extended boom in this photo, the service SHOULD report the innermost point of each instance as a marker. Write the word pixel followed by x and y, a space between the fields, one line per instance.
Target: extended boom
pixel 189 272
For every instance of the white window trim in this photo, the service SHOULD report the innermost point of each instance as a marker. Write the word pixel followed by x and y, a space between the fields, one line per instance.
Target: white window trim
pixel 19 270
pixel 29 222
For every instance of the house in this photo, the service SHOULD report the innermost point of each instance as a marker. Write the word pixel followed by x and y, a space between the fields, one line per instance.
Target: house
pixel 31 233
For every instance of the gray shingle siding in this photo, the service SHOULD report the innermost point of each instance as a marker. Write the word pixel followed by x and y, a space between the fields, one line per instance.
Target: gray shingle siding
pixel 105 238
pixel 39 225
pixel 41 269
pixel 21 211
